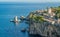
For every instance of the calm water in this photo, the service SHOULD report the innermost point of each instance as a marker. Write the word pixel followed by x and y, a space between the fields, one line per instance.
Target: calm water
pixel 9 11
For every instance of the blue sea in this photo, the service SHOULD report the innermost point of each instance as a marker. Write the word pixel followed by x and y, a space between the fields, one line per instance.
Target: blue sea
pixel 9 10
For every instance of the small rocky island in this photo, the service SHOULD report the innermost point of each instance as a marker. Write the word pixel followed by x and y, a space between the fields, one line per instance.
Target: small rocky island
pixel 45 23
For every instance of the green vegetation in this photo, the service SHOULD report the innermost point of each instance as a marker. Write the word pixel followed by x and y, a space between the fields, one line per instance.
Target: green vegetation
pixel 36 18
pixel 57 12
pixel 39 18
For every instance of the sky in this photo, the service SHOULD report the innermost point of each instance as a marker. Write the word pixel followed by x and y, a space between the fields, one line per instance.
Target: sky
pixel 30 1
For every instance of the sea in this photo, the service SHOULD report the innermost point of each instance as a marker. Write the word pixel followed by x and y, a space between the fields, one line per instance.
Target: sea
pixel 9 10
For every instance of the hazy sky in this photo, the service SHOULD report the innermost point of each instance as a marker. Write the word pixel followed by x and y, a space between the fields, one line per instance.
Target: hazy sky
pixel 36 1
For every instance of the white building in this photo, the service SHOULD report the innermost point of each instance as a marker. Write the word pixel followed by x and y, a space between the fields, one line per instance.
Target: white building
pixel 51 12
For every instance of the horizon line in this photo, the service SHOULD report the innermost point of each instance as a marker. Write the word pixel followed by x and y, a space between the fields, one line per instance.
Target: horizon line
pixel 29 2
